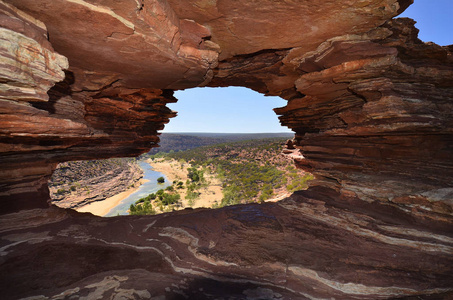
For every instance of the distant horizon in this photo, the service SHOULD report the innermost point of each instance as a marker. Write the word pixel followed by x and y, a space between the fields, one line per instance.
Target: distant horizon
pixel 264 132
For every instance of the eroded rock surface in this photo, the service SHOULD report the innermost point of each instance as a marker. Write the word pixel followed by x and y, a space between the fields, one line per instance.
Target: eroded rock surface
pixel 370 105
pixel 78 183
pixel 313 245
pixel 127 40
pixel 376 115
pixel 100 120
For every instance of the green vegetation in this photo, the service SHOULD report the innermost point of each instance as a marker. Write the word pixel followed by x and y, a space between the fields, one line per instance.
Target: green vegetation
pixel 299 183
pixel 160 180
pixel 163 199
pixel 185 141
pixel 145 209
pixel 250 171
pixel 168 198
pixel 60 191
pixel 195 175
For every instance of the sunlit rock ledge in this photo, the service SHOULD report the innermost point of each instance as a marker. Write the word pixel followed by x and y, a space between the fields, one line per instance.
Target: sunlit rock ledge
pixel 369 103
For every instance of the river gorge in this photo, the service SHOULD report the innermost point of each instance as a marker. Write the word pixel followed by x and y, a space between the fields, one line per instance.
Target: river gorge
pixel 369 104
pixel 149 186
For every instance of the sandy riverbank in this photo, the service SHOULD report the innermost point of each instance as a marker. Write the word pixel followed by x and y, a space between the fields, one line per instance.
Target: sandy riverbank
pixel 176 171
pixel 101 208
pixel 172 169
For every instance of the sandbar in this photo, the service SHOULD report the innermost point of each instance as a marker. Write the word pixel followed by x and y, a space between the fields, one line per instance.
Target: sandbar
pixel 177 171
pixel 101 208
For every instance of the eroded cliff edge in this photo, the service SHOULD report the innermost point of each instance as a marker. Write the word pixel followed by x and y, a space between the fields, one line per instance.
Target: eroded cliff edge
pixel 78 183
pixel 370 105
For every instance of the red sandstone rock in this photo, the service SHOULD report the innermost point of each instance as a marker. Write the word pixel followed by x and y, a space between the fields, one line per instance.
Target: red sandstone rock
pixel 245 27
pixel 127 39
pixel 311 246
pixel 372 123
pixel 29 66
pixel 369 103
pixel 76 184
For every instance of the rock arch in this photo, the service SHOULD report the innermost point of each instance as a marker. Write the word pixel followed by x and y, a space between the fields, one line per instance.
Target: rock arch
pixel 369 103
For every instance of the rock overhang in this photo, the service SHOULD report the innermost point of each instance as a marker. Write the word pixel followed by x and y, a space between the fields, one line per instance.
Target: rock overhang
pixel 369 104
pixel 344 81
pixel 176 44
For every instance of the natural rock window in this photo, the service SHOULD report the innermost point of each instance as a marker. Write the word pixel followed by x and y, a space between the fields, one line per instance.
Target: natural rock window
pixel 242 161
pixel 369 103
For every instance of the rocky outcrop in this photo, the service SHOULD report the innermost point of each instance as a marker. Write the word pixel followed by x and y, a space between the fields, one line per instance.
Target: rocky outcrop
pixel 78 183
pixel 29 68
pixel 369 111
pixel 369 103
pixel 94 118
pixel 375 116
pixel 127 41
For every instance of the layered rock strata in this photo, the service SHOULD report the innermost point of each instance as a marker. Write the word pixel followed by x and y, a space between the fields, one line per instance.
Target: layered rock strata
pixel 375 116
pixel 76 184
pixel 369 103
pixel 99 119
pixel 312 245
pixel 371 112
pixel 125 60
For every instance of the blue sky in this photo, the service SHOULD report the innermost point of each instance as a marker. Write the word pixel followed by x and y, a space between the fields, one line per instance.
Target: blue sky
pixel 240 110
pixel 227 110
pixel 434 20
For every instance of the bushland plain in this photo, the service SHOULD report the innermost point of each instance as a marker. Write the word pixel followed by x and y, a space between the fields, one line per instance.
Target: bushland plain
pixel 236 173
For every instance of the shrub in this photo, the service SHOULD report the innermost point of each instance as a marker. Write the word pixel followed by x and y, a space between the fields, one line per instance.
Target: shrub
pixel 60 191
pixel 142 209
pixel 170 198
pixel 192 195
pixel 195 175
pixel 161 179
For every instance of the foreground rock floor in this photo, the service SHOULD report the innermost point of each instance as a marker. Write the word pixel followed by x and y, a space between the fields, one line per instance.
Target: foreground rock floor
pixel 370 105
pixel 313 245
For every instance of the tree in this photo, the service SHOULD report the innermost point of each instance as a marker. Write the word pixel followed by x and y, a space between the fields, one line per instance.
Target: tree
pixel 195 175
pixel 161 179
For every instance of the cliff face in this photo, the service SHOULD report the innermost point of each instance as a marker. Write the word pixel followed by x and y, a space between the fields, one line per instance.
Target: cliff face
pixel 376 117
pixel 78 183
pixel 94 117
pixel 369 103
